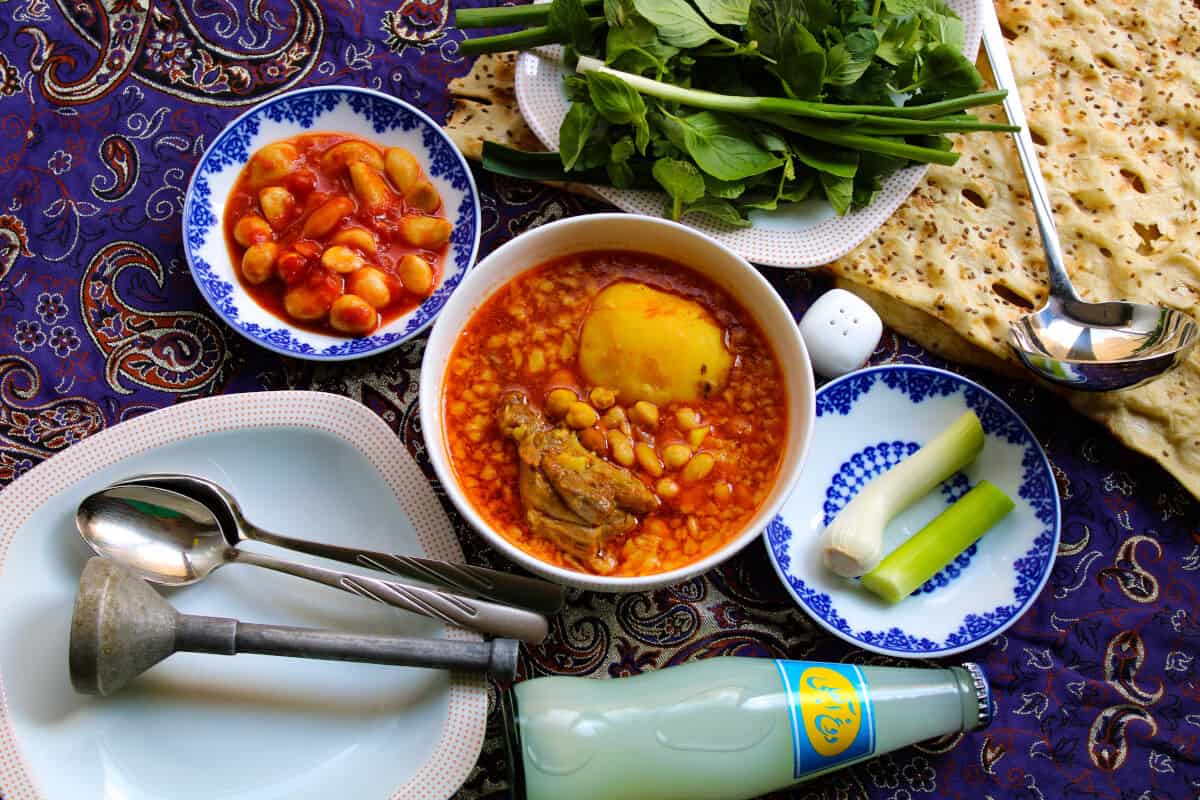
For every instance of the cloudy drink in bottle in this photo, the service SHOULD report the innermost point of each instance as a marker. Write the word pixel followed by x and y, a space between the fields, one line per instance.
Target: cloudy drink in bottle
pixel 725 728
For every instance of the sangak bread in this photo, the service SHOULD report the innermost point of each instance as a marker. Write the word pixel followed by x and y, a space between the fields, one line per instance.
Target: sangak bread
pixel 1112 91
pixel 485 107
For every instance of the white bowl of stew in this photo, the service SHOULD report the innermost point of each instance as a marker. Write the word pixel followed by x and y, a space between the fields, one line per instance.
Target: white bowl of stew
pixel 330 223
pixel 597 362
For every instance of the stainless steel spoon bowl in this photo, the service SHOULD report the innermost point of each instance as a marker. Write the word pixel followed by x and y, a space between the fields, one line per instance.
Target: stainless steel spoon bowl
pixel 171 539
pixel 1094 347
pixel 501 587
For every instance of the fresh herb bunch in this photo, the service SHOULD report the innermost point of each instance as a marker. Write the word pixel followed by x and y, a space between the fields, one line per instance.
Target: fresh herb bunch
pixel 734 105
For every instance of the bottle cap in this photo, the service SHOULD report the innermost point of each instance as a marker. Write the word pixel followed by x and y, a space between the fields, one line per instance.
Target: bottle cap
pixel 983 693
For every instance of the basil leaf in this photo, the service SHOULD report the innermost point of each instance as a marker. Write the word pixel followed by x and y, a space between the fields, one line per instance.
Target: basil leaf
pixel 632 42
pixel 902 8
pixel 570 20
pixel 720 210
pixel 595 153
pixel 620 104
pixel 725 12
pixel 681 181
pixel 872 169
pixel 898 39
pixel 768 19
pixel 847 61
pixel 838 191
pixel 944 73
pixel 678 23
pixel 725 190
pixel 826 158
pixel 574 132
pixel 800 62
pixel 622 150
pixel 871 89
pixel 576 88
pixel 945 29
pixel 799 189
pixel 621 174
pixel 724 148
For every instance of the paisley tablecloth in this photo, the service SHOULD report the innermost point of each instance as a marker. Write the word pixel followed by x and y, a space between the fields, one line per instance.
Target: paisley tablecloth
pixel 105 106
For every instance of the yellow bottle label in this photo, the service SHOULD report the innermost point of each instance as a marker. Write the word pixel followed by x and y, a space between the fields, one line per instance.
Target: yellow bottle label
pixel 832 718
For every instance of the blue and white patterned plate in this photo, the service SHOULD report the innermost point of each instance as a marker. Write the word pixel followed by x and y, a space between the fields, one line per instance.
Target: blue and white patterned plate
pixel 372 115
pixel 867 422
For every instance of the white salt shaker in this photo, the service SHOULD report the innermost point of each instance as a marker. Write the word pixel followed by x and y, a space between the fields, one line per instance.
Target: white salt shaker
pixel 840 331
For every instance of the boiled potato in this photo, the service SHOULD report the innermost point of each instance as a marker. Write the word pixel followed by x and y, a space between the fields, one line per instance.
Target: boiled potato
pixel 312 299
pixel 252 229
pixel 258 261
pixel 416 274
pixel 273 163
pixel 423 196
pixel 327 216
pixel 429 233
pixel 340 258
pixel 652 346
pixel 402 168
pixel 371 285
pixel 358 238
pixel 341 156
pixel 278 205
pixel 369 186
pixel 351 314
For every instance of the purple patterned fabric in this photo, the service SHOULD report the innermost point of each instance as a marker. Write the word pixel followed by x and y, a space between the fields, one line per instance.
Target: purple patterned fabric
pixel 105 105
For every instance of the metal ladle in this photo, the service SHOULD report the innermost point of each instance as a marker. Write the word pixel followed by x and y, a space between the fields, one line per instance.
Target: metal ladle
pixel 169 538
pixel 121 627
pixel 514 590
pixel 1087 346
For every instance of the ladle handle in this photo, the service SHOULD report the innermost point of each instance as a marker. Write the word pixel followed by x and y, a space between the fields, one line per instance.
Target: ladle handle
pixel 515 590
pixel 452 609
pixel 997 55
pixel 497 658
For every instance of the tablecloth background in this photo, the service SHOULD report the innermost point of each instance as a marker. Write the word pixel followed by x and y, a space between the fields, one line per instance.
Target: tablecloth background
pixel 105 107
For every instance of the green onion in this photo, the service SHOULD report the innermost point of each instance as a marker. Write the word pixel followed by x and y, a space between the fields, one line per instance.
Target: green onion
pixel 854 539
pixel 547 167
pixel 936 545
pixel 518 40
pixel 503 16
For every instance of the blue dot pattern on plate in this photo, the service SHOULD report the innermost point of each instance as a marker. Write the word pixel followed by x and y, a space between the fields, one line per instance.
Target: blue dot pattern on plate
pixel 1036 489
pixel 874 460
pixel 232 150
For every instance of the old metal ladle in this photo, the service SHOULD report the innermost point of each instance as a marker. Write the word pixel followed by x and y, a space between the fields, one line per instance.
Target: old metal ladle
pixel 121 627
pixel 1088 346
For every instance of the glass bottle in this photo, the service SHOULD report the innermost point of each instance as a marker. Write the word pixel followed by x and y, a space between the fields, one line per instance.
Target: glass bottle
pixel 725 728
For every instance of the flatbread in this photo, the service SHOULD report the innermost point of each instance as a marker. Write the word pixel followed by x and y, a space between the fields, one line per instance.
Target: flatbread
pixel 1110 88
pixel 485 108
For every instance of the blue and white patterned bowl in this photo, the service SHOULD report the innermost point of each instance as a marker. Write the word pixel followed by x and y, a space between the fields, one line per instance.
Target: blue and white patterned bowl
pixel 867 422
pixel 372 115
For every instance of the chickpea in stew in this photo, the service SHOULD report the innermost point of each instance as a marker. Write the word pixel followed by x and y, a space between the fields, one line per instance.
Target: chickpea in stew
pixel 615 413
pixel 335 234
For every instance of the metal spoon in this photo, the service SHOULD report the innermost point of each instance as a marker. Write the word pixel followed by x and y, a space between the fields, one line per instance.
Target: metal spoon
pixel 121 627
pixel 1089 346
pixel 169 538
pixel 537 595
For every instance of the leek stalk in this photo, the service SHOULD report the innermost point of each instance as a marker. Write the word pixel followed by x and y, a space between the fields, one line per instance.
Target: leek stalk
pixel 853 541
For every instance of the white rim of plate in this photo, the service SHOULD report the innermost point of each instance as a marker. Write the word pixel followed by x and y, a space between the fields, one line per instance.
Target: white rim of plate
pixel 542 104
pixel 339 349
pixel 461 738
pixel 1052 549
